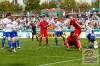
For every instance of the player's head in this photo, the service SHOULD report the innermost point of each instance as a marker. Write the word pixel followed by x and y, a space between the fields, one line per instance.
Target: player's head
pixel 72 33
pixel 89 24
pixel 55 20
pixel 8 15
pixel 71 17
pixel 17 19
pixel 44 18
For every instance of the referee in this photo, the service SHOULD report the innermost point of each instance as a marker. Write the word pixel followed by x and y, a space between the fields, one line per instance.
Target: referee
pixel 34 31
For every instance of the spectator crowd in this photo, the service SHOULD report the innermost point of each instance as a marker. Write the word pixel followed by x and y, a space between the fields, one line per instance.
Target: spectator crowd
pixel 83 18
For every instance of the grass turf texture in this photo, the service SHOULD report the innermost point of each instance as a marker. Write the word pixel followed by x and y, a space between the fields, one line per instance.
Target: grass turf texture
pixel 31 54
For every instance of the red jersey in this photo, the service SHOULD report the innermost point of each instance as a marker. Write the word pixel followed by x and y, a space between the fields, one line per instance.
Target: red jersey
pixel 43 26
pixel 73 22
pixel 70 38
pixel 72 41
pixel 77 28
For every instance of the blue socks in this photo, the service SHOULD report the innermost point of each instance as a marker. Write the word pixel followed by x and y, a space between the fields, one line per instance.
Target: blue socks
pixel 56 40
pixel 13 45
pixel 18 43
pixel 3 42
pixel 9 43
pixel 64 39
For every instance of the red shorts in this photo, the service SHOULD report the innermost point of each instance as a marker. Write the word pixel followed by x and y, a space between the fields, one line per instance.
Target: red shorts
pixel 44 33
pixel 77 31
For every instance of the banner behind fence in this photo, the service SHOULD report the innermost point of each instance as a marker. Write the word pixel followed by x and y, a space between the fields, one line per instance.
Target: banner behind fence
pixel 28 34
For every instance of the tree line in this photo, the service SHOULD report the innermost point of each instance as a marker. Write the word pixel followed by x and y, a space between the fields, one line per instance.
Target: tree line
pixel 32 5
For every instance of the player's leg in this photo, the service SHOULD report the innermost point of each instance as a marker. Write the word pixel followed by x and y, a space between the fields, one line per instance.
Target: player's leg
pixel 3 40
pixel 9 38
pixel 77 33
pixel 32 36
pixel 93 39
pixel 56 40
pixel 13 44
pixel 36 37
pixel 61 34
pixel 66 43
pixel 17 42
pixel 40 40
pixel 46 36
pixel 89 38
pixel 78 43
pixel 41 35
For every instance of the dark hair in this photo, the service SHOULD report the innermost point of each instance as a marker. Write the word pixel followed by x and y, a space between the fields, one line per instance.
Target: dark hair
pixel 71 15
pixel 89 23
pixel 72 33
pixel 8 14
pixel 55 18
pixel 16 17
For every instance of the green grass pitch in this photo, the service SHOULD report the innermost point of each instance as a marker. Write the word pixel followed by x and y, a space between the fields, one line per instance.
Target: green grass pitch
pixel 31 54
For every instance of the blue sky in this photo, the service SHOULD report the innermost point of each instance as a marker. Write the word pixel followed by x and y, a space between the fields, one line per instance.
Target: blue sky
pixel 93 0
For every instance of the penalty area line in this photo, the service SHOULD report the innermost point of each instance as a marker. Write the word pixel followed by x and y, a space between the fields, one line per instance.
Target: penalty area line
pixel 60 62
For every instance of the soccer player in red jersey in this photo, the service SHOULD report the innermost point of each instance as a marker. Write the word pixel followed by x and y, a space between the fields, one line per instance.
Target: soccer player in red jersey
pixel 72 40
pixel 77 27
pixel 43 30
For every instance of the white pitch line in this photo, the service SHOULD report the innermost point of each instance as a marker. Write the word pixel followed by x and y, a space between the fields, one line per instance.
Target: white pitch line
pixel 60 62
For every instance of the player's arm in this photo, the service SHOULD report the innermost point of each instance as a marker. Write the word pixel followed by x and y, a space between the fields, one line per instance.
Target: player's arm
pixel 66 43
pixel 13 27
pixel 5 22
pixel 78 24
pixel 38 25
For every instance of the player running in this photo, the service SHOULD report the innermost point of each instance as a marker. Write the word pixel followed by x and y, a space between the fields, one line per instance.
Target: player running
pixel 91 36
pixel 77 29
pixel 58 30
pixel 72 40
pixel 7 30
pixel 43 30
pixel 34 31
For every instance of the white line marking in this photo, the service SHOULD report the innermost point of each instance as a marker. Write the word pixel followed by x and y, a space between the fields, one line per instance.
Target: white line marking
pixel 60 62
